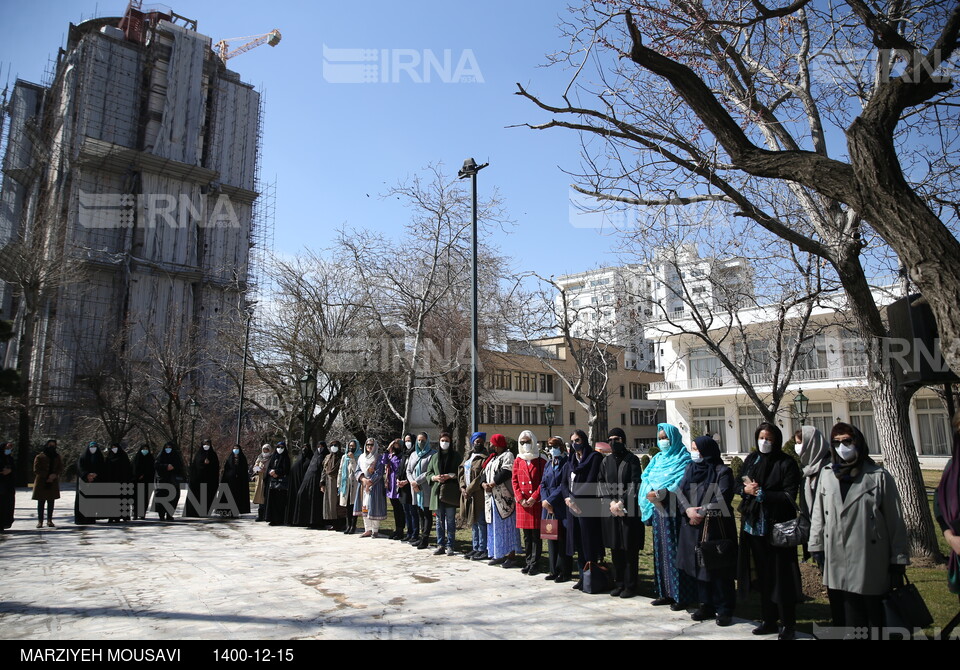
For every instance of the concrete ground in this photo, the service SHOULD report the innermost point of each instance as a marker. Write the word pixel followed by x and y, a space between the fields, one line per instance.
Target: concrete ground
pixel 243 580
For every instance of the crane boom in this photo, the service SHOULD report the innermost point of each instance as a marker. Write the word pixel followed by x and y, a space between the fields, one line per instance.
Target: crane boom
pixel 223 46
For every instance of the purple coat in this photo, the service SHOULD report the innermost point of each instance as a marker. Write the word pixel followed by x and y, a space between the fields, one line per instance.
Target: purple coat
pixel 392 463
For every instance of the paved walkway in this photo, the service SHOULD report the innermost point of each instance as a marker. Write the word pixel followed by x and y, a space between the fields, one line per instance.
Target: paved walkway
pixel 242 580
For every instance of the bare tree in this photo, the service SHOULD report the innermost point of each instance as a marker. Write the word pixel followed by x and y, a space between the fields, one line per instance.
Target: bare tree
pixel 739 104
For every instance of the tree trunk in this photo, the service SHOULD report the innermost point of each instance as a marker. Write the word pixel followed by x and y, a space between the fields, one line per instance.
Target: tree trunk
pixel 24 420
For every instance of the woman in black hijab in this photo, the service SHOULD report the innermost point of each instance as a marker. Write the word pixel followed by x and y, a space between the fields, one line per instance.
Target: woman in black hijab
pixel 204 481
pixel 142 466
pixel 309 507
pixel 278 478
pixel 8 488
pixel 90 468
pixel 237 477
pixel 579 488
pixel 768 490
pixel 706 508
pixel 117 470
pixel 169 469
pixel 297 472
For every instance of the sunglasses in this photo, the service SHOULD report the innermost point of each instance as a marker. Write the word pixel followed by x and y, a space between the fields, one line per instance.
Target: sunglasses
pixel 846 443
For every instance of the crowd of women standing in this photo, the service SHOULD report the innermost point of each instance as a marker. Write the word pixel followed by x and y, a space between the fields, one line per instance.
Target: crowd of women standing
pixel 584 499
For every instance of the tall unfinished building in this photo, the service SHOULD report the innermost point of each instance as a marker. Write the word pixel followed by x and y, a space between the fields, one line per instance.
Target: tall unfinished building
pixel 129 196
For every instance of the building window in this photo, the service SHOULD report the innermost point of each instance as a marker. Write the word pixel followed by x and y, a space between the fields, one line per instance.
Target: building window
pixel 704 365
pixel 622 391
pixel 934 427
pixel 708 421
pixel 573 419
pixel 749 418
pixel 526 415
pixel 819 414
pixel 639 391
pixel 623 419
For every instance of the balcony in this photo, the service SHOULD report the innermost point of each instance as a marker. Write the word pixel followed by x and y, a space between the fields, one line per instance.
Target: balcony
pixel 725 380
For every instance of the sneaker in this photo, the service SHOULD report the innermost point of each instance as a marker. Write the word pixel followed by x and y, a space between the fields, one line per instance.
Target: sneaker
pixel 470 554
pixel 481 556
pixel 440 551
pixel 50 524
pixel 451 552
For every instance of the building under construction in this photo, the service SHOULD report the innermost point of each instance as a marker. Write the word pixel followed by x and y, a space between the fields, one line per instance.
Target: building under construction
pixel 129 215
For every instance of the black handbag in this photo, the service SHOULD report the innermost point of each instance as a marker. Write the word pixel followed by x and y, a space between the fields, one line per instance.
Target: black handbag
pixel 791 533
pixel 278 484
pixel 596 578
pixel 716 554
pixel 904 608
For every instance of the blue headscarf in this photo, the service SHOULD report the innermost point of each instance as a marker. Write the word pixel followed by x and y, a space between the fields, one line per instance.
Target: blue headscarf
pixel 474 437
pixel 423 455
pixel 345 470
pixel 665 470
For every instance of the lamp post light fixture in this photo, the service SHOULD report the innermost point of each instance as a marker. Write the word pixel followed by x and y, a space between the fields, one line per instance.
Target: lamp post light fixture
pixel 308 391
pixel 800 402
pixel 470 169
pixel 243 371
pixel 549 414
pixel 193 409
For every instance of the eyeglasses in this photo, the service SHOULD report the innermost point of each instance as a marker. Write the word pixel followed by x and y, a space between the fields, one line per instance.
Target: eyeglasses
pixel 527 442
pixel 848 442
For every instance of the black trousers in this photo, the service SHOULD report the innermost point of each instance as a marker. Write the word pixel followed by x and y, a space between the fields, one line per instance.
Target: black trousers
pixel 626 568
pixel 399 520
pixel 49 510
pixel 560 563
pixel 532 546
pixel 718 595
pixel 426 523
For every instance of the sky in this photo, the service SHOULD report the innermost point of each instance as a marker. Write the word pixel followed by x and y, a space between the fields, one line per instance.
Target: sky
pixel 343 123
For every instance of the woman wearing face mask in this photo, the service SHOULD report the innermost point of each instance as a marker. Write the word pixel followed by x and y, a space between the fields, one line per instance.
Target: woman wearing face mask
pixel 278 485
pixel 946 510
pixel 236 477
pixel 857 531
pixel 332 510
pixel 204 481
pixel 551 501
pixel 814 456
pixel 260 472
pixel 117 470
pixel 417 464
pixel 445 494
pixel 396 469
pixel 8 488
pixel 411 513
pixel 658 508
pixel 527 477
pixel 47 468
pixel 142 465
pixel 347 484
pixel 309 505
pixel 619 481
pixel 169 470
pixel 579 489
pixel 371 499
pixel 90 468
pixel 503 541
pixel 706 506
pixel 768 490
pixel 470 478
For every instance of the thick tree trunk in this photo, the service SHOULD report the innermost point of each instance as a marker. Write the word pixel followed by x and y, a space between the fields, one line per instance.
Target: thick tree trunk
pixel 24 419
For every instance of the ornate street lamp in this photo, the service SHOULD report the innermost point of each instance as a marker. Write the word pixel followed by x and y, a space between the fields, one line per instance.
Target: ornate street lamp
pixel 549 413
pixel 193 409
pixel 470 169
pixel 800 402
pixel 308 391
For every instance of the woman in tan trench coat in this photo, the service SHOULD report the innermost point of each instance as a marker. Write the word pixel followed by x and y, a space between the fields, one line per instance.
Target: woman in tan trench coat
pixel 47 467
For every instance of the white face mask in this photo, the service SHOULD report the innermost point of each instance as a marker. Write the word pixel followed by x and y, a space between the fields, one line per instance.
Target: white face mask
pixel 236 451
pixel 144 451
pixel 765 446
pixel 334 450
pixel 528 452
pixel 113 449
pixel 168 449
pixel 444 445
pixel 408 445
pixel 206 447
pixel 663 444
pixel 695 456
pixel 279 450
pixel 556 452
pixel 93 450
pixel 847 454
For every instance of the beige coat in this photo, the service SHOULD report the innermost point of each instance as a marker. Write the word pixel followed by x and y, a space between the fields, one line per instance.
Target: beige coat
pixel 860 536
pixel 260 492
pixel 471 503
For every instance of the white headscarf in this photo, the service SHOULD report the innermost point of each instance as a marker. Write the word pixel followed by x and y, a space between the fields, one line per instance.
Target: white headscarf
pixel 368 459
pixel 530 451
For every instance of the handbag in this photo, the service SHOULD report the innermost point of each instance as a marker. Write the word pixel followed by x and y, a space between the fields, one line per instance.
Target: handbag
pixel 791 533
pixel 596 578
pixel 278 484
pixel 549 528
pixel 904 608
pixel 716 554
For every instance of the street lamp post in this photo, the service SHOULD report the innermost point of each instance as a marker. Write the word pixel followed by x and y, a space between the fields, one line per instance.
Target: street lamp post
pixel 243 372
pixel 193 408
pixel 470 169
pixel 308 391
pixel 800 402
pixel 549 413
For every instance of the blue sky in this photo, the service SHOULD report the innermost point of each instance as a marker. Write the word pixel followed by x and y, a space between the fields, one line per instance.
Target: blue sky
pixel 329 145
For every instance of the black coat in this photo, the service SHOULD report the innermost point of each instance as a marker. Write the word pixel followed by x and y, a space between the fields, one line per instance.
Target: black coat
pixel 204 481
pixel 142 474
pixel 619 481
pixel 780 485
pixel 277 488
pixel 583 491
pixel 236 475
pixel 8 491
pixel 169 478
pixel 308 510
pixel 297 473
pixel 722 524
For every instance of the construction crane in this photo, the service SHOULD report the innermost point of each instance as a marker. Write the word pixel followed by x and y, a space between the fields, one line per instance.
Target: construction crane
pixel 223 46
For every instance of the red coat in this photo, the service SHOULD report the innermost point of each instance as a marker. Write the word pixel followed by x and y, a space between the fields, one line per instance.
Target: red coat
pixel 526 484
